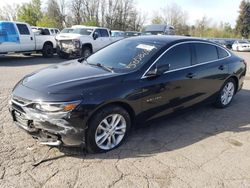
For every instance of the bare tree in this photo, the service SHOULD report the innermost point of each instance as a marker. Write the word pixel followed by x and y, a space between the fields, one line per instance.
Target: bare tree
pixel 9 12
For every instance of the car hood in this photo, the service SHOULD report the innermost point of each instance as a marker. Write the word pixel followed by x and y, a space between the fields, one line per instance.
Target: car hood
pixel 69 36
pixel 66 77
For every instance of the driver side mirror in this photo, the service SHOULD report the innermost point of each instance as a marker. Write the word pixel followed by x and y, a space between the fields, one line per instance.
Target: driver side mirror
pixel 158 70
pixel 95 35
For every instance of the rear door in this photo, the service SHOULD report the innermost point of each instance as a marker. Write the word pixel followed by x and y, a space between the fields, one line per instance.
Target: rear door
pixel 210 68
pixel 27 40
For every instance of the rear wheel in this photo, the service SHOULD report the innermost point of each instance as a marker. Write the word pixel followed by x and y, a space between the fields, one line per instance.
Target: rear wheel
pixel 226 94
pixel 108 129
pixel 48 50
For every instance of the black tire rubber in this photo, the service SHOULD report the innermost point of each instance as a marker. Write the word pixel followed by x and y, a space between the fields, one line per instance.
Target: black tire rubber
pixel 91 145
pixel 218 103
pixel 48 50
pixel 27 54
pixel 86 50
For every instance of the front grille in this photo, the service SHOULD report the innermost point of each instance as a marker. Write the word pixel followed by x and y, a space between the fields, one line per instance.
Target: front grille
pixel 66 42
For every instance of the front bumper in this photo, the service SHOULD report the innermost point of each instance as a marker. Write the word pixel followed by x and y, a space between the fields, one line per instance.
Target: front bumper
pixel 50 129
pixel 244 49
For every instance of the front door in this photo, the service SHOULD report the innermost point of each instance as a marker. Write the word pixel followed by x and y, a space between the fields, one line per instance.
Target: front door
pixel 173 90
pixel 27 39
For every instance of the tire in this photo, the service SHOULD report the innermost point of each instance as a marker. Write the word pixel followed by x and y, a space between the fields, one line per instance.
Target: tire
pixel 86 52
pixel 99 132
pixel 48 50
pixel 27 54
pixel 226 94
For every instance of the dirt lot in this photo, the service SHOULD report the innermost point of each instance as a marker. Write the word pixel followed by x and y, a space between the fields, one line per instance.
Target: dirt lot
pixel 205 147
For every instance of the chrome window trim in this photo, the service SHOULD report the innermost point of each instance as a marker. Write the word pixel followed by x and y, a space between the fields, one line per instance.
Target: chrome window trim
pixel 187 42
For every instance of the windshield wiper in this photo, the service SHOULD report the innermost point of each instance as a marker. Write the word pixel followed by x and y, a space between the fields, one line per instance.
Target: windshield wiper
pixel 110 69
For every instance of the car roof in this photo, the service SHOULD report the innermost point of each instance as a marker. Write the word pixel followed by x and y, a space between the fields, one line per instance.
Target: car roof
pixel 166 39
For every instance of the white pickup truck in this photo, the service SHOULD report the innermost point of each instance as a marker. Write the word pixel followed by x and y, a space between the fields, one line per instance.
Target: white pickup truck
pixel 83 41
pixel 17 37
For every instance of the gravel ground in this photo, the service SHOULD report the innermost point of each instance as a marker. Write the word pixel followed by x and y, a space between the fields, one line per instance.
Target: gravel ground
pixel 204 147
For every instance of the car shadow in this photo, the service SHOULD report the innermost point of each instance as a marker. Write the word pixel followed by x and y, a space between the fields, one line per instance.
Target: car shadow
pixel 22 60
pixel 178 131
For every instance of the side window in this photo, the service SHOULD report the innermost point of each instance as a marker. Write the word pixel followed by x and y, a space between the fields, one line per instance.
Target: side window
pixel 98 32
pixel 23 29
pixel 205 53
pixel 52 31
pixel 178 57
pixel 46 31
pixel 104 33
pixel 222 53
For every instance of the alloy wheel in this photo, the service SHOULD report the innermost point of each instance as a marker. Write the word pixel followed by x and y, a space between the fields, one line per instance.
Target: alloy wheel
pixel 110 131
pixel 227 93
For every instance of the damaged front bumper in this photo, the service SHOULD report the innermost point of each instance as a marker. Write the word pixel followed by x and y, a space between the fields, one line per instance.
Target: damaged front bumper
pixel 64 128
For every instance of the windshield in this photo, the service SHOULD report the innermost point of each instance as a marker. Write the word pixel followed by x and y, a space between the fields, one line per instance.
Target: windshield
pixel 125 55
pixel 67 30
pixel 83 31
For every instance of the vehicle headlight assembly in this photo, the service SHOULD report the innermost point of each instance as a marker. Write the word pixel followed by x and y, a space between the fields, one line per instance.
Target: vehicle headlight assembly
pixel 56 107
pixel 77 43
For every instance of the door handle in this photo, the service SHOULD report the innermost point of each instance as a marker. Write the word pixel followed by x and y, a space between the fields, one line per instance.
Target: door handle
pixel 31 38
pixel 191 75
pixel 222 67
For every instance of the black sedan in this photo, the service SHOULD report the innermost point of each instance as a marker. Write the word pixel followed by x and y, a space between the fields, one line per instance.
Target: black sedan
pixel 93 102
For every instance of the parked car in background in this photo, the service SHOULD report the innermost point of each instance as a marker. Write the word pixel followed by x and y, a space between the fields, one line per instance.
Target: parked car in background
pixel 117 33
pixel 45 30
pixel 241 45
pixel 83 41
pixel 17 37
pixel 93 102
pixel 159 29
pixel 132 33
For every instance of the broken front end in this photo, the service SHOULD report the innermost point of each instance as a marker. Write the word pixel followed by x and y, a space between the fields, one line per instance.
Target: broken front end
pixel 59 123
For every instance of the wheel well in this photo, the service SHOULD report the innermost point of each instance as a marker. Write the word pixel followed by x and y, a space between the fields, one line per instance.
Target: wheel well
pixel 88 45
pixel 126 106
pixel 48 43
pixel 236 82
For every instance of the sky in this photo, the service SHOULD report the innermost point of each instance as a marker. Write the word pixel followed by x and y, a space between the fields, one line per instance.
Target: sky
pixel 216 10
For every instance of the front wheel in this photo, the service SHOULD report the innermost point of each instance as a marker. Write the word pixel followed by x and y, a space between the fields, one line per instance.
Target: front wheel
pixel 86 52
pixel 226 94
pixel 107 129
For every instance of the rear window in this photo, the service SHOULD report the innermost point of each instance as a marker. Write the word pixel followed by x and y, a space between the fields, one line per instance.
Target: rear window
pixel 23 29
pixel 205 53
pixel 222 53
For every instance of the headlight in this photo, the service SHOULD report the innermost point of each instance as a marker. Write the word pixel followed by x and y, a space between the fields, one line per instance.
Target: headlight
pixel 57 107
pixel 76 43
